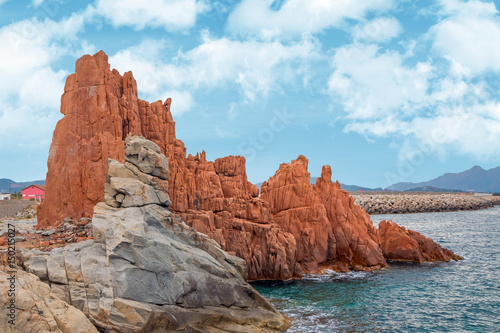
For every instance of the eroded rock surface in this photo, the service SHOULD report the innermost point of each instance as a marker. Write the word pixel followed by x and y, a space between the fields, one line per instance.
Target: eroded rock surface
pixel 38 309
pixel 400 244
pixel 330 231
pixel 146 269
pixel 355 238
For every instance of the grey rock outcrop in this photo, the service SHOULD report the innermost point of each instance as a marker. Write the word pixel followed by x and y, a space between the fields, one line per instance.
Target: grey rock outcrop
pixel 142 180
pixel 148 271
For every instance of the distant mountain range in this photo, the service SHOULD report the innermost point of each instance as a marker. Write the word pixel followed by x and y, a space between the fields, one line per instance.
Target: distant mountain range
pixel 4 184
pixel 476 179
pixel 431 189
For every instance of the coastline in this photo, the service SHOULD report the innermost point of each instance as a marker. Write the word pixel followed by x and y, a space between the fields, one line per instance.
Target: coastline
pixel 408 297
pixel 421 202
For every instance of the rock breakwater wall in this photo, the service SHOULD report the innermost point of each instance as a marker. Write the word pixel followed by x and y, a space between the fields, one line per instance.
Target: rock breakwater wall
pixel 402 203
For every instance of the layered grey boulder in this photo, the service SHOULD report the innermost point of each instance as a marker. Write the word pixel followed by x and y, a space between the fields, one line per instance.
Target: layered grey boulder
pixel 147 156
pixel 148 271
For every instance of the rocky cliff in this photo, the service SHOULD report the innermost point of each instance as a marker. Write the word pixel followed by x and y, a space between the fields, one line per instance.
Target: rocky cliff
pixel 292 228
pixel 329 230
pixel 148 271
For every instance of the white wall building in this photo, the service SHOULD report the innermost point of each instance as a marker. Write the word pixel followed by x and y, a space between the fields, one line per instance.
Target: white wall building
pixel 4 196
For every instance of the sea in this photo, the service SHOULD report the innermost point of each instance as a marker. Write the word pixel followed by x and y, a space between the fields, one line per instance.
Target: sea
pixel 461 296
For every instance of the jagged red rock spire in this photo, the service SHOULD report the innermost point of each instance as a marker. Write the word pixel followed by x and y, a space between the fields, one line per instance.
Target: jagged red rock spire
pixel 329 228
pixel 100 109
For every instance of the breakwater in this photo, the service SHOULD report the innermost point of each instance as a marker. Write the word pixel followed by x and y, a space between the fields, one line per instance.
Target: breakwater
pixel 401 203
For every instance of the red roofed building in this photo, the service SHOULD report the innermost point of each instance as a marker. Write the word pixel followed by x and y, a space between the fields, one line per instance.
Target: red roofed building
pixel 35 192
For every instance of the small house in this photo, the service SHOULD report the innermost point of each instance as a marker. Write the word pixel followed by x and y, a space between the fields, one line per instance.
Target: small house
pixel 34 192
pixel 4 196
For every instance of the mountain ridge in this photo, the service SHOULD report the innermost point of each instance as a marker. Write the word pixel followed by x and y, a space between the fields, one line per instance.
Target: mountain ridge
pixel 475 179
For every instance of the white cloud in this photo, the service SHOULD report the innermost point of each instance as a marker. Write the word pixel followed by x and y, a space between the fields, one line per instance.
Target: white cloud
pixel 154 74
pixel 298 16
pixel 30 89
pixel 255 68
pixel 169 14
pixel 223 133
pixel 381 29
pixel 469 131
pixel 449 89
pixel 471 7
pixel 386 94
pixel 30 45
pixel 469 35
pixel 43 89
pixel 473 130
pixel 26 127
pixel 372 84
pixel 232 112
pixel 37 3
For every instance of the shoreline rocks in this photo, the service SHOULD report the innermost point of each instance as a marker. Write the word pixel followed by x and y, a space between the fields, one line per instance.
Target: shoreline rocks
pixel 403 203
pixel 17 208
pixel 146 270
pixel 400 244
pixel 329 231
pixel 38 309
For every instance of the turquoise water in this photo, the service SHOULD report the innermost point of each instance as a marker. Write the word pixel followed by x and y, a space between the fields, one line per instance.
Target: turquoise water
pixel 459 296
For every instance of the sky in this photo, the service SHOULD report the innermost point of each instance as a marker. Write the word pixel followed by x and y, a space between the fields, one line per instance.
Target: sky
pixel 382 90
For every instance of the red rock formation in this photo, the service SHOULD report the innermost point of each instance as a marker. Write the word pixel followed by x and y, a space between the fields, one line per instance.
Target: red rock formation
pixel 100 108
pixel 329 229
pixel 215 198
pixel 294 227
pixel 355 238
pixel 399 244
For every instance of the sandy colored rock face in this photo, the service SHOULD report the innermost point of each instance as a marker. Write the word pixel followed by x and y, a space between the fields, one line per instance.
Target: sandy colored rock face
pixel 399 244
pixel 38 309
pixel 148 271
pixel 292 228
